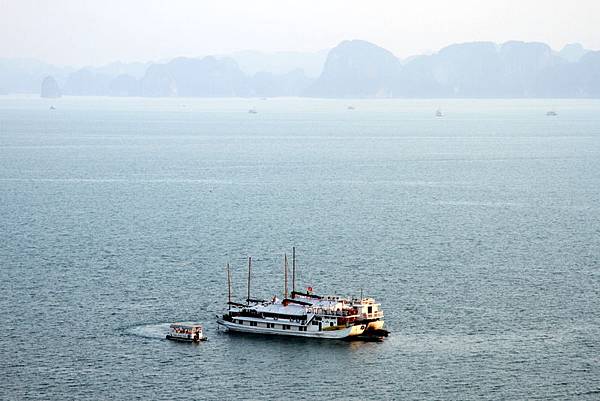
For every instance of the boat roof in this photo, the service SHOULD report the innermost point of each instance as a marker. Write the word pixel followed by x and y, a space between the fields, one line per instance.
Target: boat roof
pixel 290 309
pixel 293 308
pixel 324 303
pixel 186 324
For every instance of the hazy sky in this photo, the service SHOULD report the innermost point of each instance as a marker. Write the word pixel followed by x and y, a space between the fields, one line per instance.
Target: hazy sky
pixel 94 32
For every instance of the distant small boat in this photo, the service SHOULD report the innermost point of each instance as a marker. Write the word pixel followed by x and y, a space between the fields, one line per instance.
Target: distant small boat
pixel 187 332
pixel 551 113
pixel 52 108
pixel 350 107
pixel 252 111
pixel 438 113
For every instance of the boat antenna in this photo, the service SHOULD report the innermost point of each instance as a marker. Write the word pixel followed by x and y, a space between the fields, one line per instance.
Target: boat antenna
pixel 361 295
pixel 228 287
pixel 285 271
pixel 249 271
pixel 293 270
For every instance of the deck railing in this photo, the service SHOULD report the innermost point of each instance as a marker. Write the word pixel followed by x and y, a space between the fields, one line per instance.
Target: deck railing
pixel 373 315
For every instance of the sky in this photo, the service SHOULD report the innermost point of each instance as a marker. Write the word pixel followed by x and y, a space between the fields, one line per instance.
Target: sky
pixel 85 32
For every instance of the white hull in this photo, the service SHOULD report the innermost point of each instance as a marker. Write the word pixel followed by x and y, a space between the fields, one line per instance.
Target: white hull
pixel 326 334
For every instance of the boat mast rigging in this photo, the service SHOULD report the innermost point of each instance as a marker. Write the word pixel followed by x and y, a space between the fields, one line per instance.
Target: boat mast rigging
pixel 293 271
pixel 249 271
pixel 285 275
pixel 228 287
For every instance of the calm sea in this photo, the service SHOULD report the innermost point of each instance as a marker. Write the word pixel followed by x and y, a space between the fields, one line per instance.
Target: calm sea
pixel 479 232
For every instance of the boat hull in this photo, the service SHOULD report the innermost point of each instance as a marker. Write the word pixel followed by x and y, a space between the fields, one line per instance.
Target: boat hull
pixel 375 325
pixel 325 334
pixel 185 340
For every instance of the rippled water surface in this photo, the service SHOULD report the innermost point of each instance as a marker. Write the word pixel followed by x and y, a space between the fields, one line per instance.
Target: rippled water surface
pixel 479 232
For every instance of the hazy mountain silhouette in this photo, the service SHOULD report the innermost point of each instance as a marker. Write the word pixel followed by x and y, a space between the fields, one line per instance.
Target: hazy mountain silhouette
pixel 135 70
pixel 357 69
pixel 208 76
pixel 281 63
pixel 589 71
pixel 212 77
pixel 50 88
pixel 87 82
pixel 573 52
pixel 26 75
pixel 354 68
pixel 124 85
pixel 476 69
pixel 293 83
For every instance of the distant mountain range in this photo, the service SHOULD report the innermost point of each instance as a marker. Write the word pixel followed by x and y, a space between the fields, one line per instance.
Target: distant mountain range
pixel 477 69
pixel 352 69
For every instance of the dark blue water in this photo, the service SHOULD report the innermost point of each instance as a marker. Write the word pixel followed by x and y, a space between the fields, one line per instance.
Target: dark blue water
pixel 479 232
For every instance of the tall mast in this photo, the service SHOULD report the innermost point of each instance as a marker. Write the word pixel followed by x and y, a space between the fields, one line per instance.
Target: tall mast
pixel 249 271
pixel 285 271
pixel 293 269
pixel 228 287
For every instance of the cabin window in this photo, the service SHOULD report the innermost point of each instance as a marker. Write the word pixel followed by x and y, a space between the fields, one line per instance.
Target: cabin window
pixel 315 323
pixel 240 321
pixel 370 309
pixel 330 324
pixel 252 323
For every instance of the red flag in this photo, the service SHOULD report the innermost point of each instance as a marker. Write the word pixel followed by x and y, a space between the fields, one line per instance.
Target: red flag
pixel 309 289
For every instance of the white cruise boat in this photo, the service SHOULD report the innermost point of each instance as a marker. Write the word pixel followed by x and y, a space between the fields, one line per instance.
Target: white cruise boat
pixel 304 314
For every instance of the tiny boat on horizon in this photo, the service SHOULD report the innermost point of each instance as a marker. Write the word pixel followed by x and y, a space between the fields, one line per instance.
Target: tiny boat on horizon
pixel 551 113
pixel 438 113
pixel 186 332
pixel 252 111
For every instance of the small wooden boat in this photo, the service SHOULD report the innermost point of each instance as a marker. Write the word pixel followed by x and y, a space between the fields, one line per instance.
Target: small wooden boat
pixel 187 332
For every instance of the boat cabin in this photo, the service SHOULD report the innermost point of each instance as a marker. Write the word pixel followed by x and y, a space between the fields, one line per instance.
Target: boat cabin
pixel 368 308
